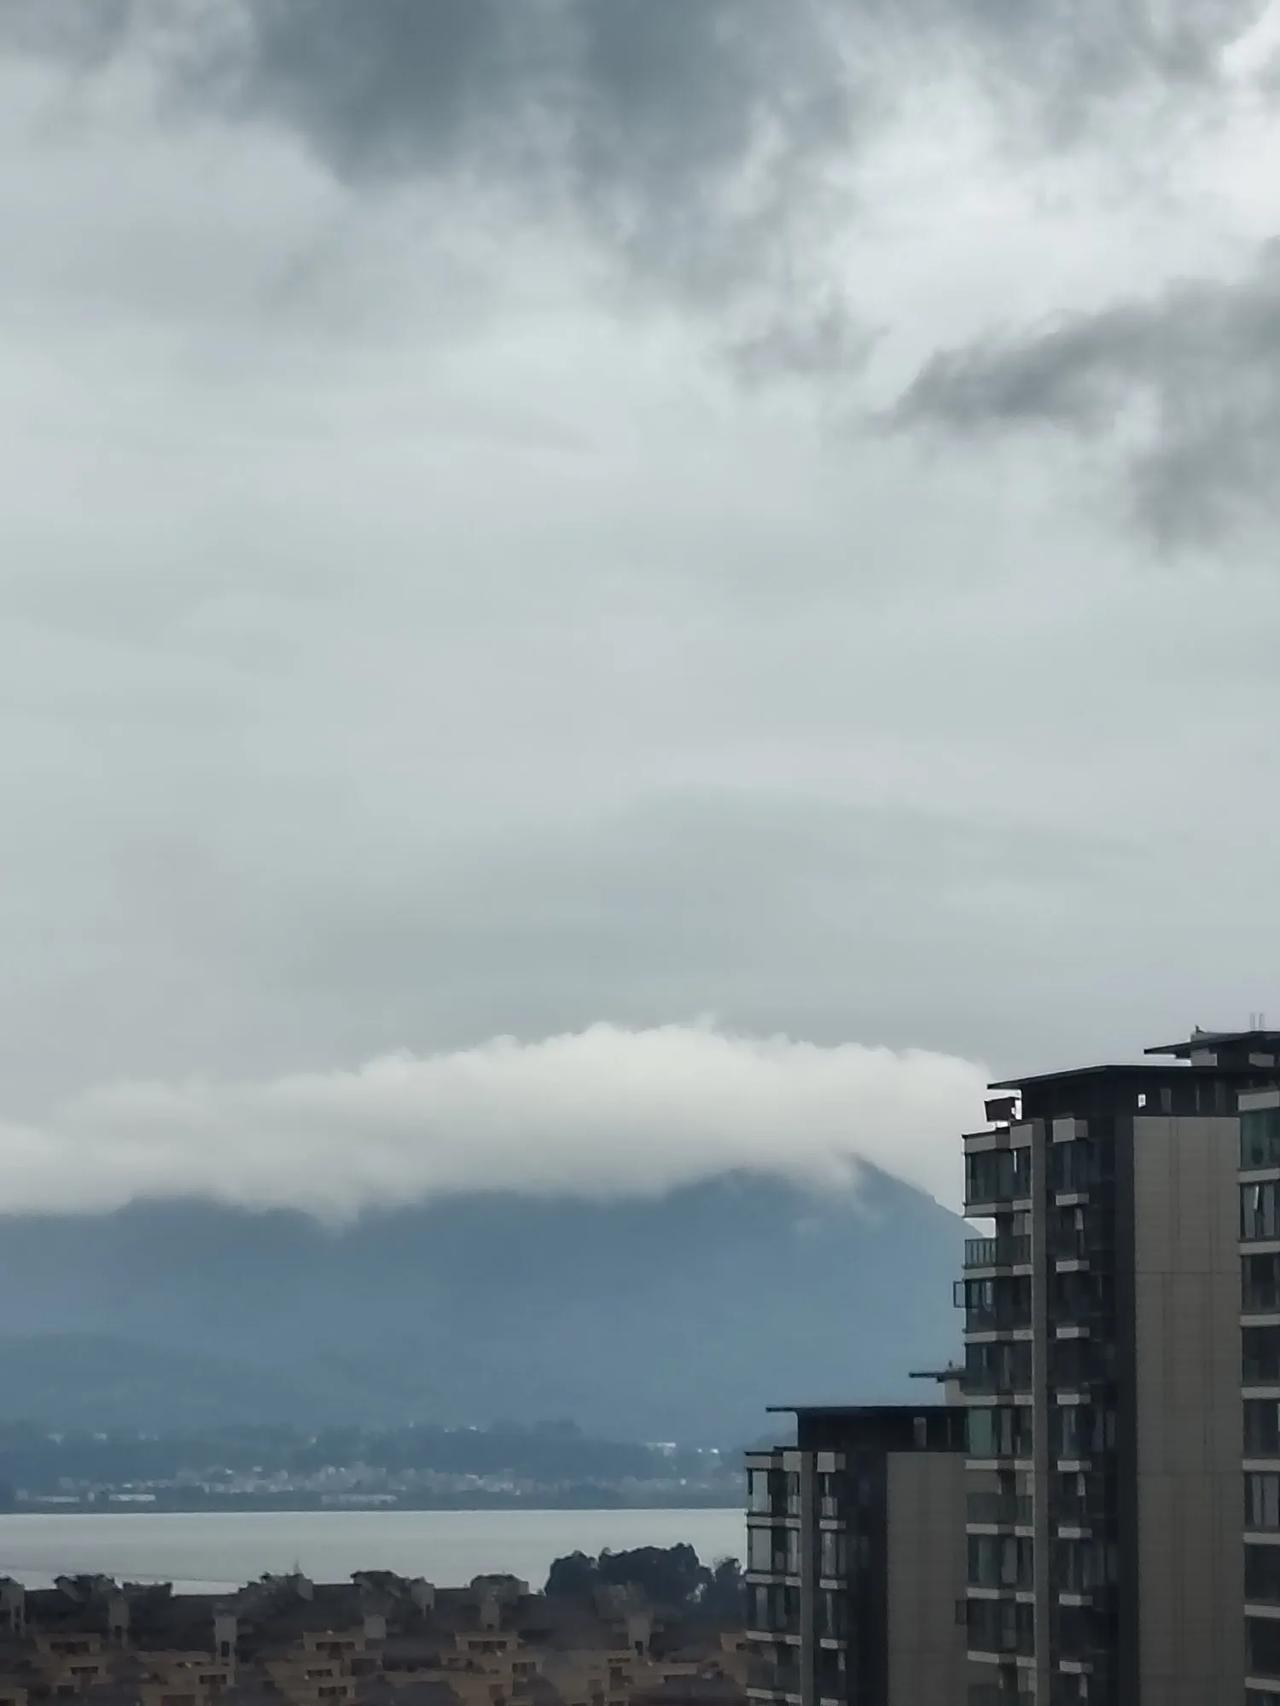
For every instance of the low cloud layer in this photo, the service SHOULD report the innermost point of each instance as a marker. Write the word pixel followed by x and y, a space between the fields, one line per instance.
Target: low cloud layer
pixel 600 1113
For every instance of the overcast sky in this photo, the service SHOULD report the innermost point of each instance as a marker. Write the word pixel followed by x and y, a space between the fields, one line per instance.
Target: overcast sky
pixel 519 516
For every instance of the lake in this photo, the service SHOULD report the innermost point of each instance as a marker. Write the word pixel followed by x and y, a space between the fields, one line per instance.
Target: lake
pixel 207 1552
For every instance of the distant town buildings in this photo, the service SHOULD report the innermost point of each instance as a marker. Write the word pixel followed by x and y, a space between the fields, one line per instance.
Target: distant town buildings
pixel 379 1640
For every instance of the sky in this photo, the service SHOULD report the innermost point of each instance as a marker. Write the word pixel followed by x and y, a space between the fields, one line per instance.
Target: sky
pixel 729 543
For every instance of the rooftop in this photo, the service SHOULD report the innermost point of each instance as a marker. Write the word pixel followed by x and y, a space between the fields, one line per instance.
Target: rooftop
pixel 1255 1039
pixel 860 1412
pixel 1128 1069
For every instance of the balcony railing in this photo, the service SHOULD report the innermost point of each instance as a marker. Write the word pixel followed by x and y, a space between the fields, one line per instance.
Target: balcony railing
pixel 1082 1246
pixel 991 1382
pixel 777 1678
pixel 997 1252
pixel 1006 1510
pixel 1006 1320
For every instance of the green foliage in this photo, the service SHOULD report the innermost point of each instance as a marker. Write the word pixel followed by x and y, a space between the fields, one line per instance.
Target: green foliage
pixel 670 1576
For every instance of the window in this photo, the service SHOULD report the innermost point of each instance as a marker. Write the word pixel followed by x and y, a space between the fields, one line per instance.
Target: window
pixel 1260 1137
pixel 1262 1500
pixel 999 1561
pixel 1000 1626
pixel 999 1367
pixel 760 1550
pixel 1083 1564
pixel 833 1614
pixel 1080 1430
pixel 1263 1639
pixel 759 1491
pixel 1262 1575
pixel 995 1303
pixel 1261 1427
pixel 832 1559
pixel 1260 1284
pixel 1261 1347
pixel 1260 1210
pixel 999 1432
pixel 997 1175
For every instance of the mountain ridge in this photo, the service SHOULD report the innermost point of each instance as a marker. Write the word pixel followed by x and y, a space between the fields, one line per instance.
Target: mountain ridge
pixel 679 1316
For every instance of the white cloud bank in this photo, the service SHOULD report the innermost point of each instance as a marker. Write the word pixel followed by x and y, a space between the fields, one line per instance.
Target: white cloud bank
pixel 602 1112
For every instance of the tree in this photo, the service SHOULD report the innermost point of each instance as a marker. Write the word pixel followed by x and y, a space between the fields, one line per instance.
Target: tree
pixel 666 1575
pixel 721 1600
pixel 572 1577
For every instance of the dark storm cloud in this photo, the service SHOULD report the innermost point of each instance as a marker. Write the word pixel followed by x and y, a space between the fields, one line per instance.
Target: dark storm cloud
pixel 1187 385
pixel 655 97
pixel 697 138
pixel 682 135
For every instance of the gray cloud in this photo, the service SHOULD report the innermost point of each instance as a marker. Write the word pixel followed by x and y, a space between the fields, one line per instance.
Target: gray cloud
pixel 708 149
pixel 411 637
pixel 1185 388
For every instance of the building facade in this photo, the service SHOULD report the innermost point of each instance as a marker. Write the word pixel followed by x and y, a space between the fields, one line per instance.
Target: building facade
pixel 1102 1381
pixel 1260 1376
pixel 856 1559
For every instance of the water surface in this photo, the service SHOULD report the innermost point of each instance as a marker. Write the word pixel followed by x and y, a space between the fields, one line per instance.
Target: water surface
pixel 208 1551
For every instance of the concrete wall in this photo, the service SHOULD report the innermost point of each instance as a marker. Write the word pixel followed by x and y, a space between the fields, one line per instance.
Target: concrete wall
pixel 1188 1412
pixel 926 1570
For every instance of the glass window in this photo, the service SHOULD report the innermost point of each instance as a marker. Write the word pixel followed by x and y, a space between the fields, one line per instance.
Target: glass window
pixel 1261 1427
pixel 1260 1137
pixel 1263 1646
pixel 999 1561
pixel 1260 1210
pixel 1262 1499
pixel 759 1496
pixel 1260 1284
pixel 999 1431
pixel 998 1175
pixel 1262 1574
pixel 1080 1430
pixel 1261 1348
pixel 760 1551
pixel 833 1614
pixel 999 1626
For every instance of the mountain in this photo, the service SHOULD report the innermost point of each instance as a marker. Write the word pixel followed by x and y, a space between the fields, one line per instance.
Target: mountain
pixel 679 1317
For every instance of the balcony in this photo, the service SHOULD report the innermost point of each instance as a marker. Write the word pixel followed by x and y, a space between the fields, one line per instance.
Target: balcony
pixel 1080 1363
pixel 999 1432
pixel 1080 1244
pixel 1009 1319
pixel 1001 1628
pixel 999 1510
pixel 765 1677
pixel 1259 1139
pixel 996 1177
pixel 1090 1515
pixel 994 1305
pixel 997 1252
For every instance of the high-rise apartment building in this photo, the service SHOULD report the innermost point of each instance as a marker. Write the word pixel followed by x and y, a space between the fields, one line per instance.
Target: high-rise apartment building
pixel 1102 1380
pixel 856 1558
pixel 1260 1345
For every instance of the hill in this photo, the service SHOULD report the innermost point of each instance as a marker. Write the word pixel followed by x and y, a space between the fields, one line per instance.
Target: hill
pixel 679 1317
